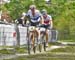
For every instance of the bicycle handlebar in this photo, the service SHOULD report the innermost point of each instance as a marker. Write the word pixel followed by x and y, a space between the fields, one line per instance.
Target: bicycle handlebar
pixel 40 26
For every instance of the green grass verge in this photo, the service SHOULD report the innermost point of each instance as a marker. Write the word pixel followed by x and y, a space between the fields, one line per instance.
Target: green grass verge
pixel 51 55
pixel 21 50
pixel 12 51
pixel 54 43
pixel 6 46
pixel 67 40
pixel 67 49
pixel 47 56
pixel 5 51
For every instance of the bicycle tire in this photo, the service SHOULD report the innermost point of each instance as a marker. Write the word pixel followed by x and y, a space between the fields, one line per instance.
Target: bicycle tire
pixel 28 47
pixel 40 48
pixel 28 41
pixel 44 44
pixel 34 49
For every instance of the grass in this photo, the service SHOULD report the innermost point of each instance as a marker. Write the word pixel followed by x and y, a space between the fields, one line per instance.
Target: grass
pixel 54 43
pixel 5 51
pixel 6 46
pixel 51 55
pixel 69 40
pixel 12 51
pixel 21 50
pixel 69 49
pixel 24 49
pixel 47 56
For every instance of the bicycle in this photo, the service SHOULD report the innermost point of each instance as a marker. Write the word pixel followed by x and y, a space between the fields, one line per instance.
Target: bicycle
pixel 43 36
pixel 32 38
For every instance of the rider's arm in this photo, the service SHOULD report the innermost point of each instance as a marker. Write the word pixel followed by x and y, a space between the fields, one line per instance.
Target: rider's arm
pixel 51 22
pixel 42 20
pixel 23 17
pixel 27 17
pixel 39 13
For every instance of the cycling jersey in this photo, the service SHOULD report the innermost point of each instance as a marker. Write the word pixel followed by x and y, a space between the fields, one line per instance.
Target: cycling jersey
pixel 47 20
pixel 36 17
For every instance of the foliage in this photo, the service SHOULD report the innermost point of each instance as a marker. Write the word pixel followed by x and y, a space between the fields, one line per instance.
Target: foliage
pixel 16 7
pixel 63 12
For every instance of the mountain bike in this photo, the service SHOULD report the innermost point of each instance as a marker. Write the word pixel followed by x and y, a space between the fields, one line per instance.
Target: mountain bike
pixel 43 37
pixel 32 39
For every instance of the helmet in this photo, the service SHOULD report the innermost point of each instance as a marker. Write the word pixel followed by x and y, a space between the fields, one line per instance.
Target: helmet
pixel 44 11
pixel 32 6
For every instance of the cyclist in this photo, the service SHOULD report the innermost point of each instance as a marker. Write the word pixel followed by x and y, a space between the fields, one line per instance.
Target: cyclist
pixel 35 18
pixel 47 23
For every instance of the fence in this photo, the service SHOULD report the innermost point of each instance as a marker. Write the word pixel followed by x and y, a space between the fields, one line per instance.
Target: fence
pixel 6 34
pixel 66 35
pixel 13 34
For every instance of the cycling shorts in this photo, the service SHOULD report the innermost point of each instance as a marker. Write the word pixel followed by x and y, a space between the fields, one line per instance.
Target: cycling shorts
pixel 46 26
pixel 34 24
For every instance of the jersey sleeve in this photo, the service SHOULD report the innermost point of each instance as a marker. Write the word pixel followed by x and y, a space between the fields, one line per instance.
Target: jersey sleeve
pixel 28 13
pixel 39 13
pixel 50 17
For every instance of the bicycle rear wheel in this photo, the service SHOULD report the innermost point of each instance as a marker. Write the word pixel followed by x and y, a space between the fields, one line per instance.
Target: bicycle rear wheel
pixel 44 44
pixel 40 48
pixel 34 49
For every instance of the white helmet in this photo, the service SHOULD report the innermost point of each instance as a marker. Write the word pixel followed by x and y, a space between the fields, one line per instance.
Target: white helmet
pixel 44 11
pixel 32 6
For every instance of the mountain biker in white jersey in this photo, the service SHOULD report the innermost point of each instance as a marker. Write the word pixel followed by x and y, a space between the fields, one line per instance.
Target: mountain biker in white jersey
pixel 47 23
pixel 35 19
pixel 34 14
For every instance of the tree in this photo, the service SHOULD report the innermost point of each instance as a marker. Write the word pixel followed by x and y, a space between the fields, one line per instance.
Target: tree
pixel 16 7
pixel 63 12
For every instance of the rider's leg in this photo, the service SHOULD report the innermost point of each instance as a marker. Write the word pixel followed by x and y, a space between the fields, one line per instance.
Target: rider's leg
pixel 38 35
pixel 47 37
pixel 32 39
